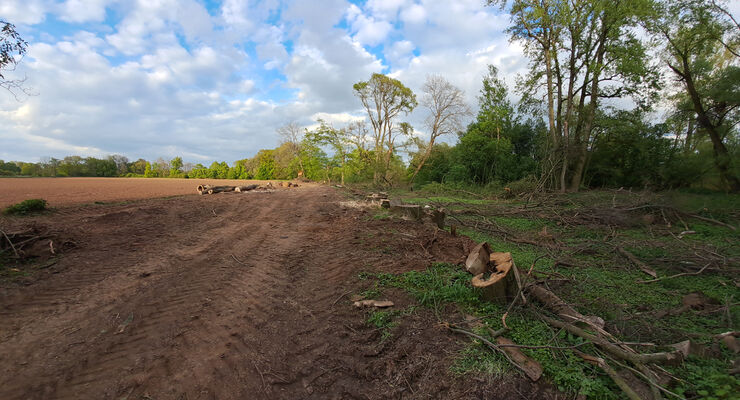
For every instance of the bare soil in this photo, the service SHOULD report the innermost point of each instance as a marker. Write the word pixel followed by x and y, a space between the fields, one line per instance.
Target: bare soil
pixel 230 296
pixel 68 191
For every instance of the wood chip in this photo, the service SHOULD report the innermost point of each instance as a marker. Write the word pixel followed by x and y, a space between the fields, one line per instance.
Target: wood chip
pixel 373 303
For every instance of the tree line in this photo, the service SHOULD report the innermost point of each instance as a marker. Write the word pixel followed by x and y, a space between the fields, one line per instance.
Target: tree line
pixel 599 72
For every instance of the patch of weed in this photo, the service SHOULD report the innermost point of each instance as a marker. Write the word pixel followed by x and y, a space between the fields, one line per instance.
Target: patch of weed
pixel 26 207
pixel 440 284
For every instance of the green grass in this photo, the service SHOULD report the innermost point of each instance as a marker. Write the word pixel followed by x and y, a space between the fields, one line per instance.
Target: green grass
pixel 602 283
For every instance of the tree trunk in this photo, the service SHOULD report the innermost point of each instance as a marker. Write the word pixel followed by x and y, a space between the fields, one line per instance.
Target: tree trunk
pixel 424 158
pixel 721 155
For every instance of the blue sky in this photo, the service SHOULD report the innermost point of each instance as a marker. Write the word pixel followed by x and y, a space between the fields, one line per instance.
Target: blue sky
pixel 213 80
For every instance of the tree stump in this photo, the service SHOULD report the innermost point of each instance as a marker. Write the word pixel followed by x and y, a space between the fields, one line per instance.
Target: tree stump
pixel 500 286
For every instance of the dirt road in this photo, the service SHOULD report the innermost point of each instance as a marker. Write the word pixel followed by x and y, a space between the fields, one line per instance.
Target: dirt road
pixel 224 297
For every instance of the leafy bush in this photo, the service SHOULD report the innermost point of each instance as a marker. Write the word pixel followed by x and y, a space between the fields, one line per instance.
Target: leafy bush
pixel 527 184
pixel 26 207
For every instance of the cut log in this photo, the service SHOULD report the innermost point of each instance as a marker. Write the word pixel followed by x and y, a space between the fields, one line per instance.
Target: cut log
pixel 532 368
pixel 477 261
pixel 500 286
pixel 219 189
pixel 245 188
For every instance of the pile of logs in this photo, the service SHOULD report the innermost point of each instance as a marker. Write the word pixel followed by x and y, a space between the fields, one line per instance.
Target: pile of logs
pixel 208 189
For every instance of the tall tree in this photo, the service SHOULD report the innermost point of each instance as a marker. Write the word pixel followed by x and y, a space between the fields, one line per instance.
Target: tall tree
pixel 12 50
pixel 340 141
pixel 447 110
pixel 175 165
pixel 384 98
pixel 702 49
pixel 292 134
pixel 581 52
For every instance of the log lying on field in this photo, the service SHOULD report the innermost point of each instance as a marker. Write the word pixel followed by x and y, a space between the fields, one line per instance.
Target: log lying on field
pixel 246 188
pixel 208 189
pixel 219 189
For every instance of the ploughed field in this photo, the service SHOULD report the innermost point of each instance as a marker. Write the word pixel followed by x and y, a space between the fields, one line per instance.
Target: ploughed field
pixel 225 296
pixel 67 191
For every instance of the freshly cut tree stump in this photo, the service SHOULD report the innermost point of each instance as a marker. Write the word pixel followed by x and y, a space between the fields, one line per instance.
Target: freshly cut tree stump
pixel 500 286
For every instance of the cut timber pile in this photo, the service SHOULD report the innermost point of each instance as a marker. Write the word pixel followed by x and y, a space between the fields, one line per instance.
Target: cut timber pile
pixel 208 189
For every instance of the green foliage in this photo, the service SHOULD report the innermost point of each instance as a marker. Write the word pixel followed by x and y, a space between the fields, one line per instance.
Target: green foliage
pixel 26 207
pixel 384 321
pixel 175 167
pixel 9 168
pixel 266 164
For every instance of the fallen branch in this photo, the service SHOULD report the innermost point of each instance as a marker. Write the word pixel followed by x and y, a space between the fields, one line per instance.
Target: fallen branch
pixel 643 267
pixel 563 309
pixel 601 363
pixel 10 243
pixel 634 358
pixel 677 275
pixel 489 344
pixel 712 221
pixel 679 212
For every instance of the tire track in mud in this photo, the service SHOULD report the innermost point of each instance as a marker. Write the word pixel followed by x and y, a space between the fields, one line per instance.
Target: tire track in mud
pixel 172 314
pixel 212 297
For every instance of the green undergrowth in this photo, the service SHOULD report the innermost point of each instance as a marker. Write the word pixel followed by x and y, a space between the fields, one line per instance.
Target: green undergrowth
pixel 26 207
pixel 597 280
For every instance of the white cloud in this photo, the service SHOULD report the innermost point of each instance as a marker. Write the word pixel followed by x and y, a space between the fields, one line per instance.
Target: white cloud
pixel 414 14
pixel 83 10
pixel 168 78
pixel 27 12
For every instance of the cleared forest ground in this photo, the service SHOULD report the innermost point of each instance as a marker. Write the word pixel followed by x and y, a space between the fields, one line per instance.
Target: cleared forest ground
pixel 249 295
pixel 227 296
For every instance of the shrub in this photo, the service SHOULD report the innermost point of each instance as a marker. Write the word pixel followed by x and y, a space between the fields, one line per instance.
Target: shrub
pixel 527 184
pixel 26 207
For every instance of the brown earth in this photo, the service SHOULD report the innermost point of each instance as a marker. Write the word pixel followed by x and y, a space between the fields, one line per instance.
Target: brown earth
pixel 67 191
pixel 229 296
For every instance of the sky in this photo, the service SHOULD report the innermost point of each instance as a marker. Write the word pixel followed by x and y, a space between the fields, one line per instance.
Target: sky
pixel 212 80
